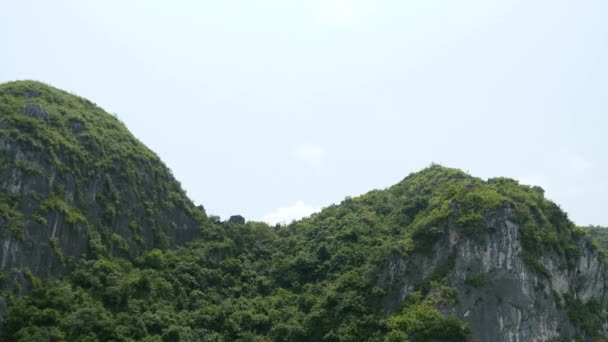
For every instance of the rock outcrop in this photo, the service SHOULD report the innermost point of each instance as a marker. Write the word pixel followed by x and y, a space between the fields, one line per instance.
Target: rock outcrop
pixel 237 219
pixel 36 110
pixel 500 296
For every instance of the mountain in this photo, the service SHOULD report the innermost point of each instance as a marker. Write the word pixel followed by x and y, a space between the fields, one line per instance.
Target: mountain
pixel 74 182
pixel 125 256
pixel 494 254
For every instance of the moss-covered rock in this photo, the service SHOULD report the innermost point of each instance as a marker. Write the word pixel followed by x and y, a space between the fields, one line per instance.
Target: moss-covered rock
pixel 72 176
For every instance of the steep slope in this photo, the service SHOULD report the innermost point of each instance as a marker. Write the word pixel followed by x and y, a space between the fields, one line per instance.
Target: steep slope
pixel 74 182
pixel 522 271
pixel 599 235
pixel 514 267
pixel 440 256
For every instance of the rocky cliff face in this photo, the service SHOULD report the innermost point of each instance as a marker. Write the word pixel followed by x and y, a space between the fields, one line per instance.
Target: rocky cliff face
pixel 437 256
pixel 500 295
pixel 74 182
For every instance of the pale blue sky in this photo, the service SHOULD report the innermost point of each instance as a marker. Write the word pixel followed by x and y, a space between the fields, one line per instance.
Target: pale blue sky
pixel 261 105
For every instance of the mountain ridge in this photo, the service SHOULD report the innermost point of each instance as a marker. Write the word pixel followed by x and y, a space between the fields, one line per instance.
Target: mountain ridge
pixel 122 253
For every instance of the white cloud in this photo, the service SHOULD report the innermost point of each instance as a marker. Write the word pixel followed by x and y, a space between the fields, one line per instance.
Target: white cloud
pixel 312 155
pixel 285 215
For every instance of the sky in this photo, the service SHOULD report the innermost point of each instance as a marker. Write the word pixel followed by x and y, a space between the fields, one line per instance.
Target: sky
pixel 274 109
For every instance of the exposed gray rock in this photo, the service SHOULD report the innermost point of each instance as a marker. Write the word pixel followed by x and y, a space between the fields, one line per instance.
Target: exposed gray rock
pixel 76 126
pixel 514 303
pixel 238 219
pixel 35 110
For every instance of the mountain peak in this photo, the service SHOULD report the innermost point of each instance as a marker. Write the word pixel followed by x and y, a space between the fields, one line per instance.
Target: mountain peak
pixel 74 180
pixel 125 255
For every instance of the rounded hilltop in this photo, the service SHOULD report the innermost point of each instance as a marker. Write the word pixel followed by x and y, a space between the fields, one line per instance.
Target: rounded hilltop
pixel 74 181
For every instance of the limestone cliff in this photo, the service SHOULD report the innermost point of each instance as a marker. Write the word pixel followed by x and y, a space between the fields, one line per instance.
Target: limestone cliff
pixel 440 256
pixel 501 295
pixel 74 181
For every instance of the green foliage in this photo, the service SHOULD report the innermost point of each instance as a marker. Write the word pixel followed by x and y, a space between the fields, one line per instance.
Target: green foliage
pixel 599 235
pixel 535 264
pixel 316 279
pixel 57 251
pixel 448 295
pixel 475 280
pixel 589 317
pixel 33 170
pixel 84 165
pixel 119 243
pixel 312 280
pixel 420 321
pixel 9 213
pixel 218 289
pixel 72 216
pixel 423 323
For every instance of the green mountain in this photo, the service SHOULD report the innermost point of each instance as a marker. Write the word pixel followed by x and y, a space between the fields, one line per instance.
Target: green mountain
pixel 74 182
pixel 440 256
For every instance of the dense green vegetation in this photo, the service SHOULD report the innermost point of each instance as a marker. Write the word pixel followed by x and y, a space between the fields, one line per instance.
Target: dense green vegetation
pixel 245 285
pixel 313 280
pixel 83 164
pixel 316 279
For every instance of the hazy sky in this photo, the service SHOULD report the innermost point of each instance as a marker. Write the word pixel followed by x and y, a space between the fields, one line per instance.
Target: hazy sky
pixel 271 109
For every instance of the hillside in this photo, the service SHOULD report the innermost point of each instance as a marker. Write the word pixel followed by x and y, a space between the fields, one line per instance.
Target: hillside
pixel 74 182
pixel 440 256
